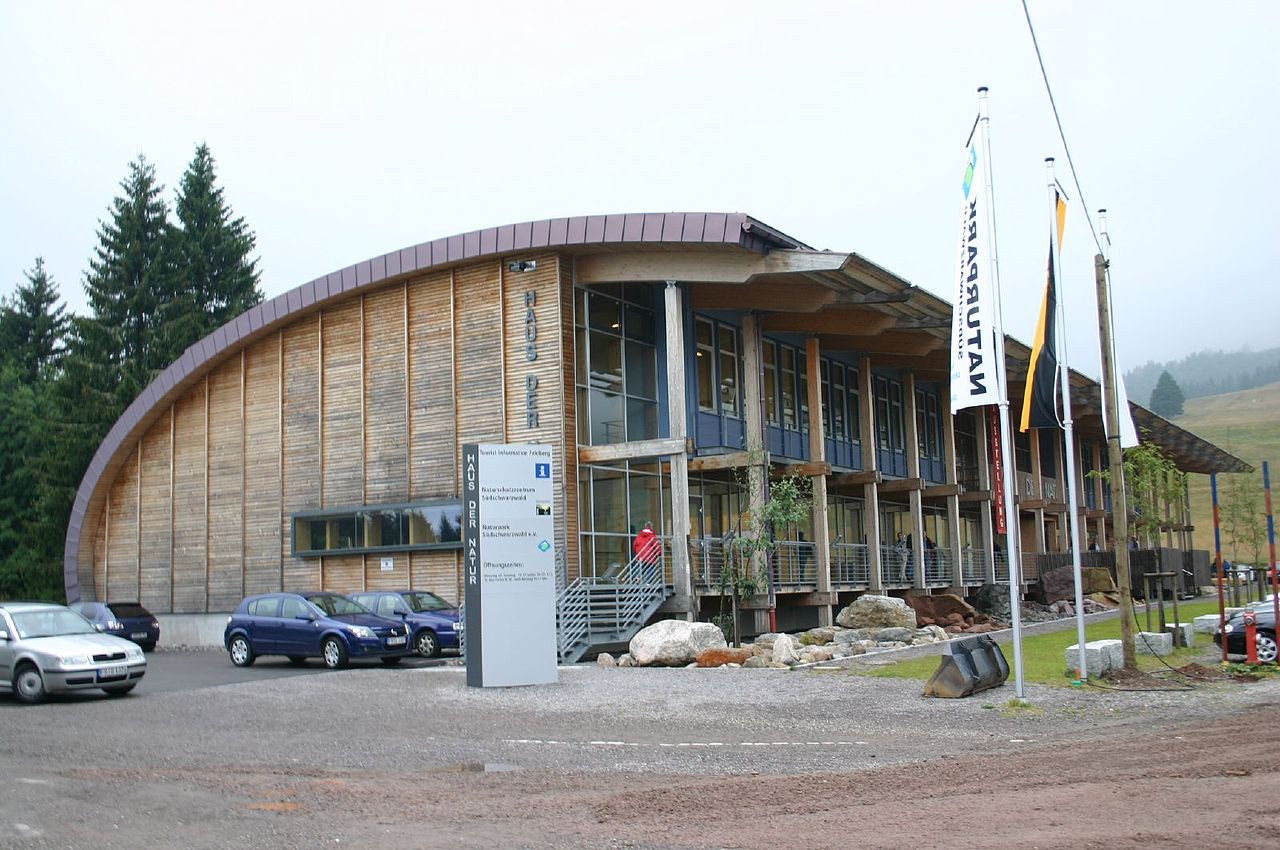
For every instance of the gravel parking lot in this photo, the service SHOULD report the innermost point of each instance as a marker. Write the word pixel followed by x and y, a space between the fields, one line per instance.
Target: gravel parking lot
pixel 416 756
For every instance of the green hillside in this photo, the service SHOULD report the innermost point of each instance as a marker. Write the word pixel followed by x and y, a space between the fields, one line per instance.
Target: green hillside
pixel 1247 424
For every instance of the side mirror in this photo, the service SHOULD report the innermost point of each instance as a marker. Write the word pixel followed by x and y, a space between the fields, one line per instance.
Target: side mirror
pixel 98 627
pixel 4 635
pixel 400 610
pixel 304 616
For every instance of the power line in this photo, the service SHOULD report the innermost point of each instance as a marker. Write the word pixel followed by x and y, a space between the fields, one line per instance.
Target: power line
pixel 1061 134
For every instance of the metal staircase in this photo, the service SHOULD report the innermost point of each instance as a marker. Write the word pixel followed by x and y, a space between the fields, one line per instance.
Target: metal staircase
pixel 592 611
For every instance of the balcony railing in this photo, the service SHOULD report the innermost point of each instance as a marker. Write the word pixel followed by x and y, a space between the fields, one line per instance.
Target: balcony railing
pixel 851 565
pixel 794 564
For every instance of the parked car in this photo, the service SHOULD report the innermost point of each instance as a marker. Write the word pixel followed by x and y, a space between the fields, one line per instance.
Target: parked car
pixel 1265 622
pixel 48 649
pixel 299 626
pixel 122 619
pixel 434 622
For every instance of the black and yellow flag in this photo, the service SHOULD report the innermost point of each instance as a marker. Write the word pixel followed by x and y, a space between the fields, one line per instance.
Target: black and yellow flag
pixel 1040 401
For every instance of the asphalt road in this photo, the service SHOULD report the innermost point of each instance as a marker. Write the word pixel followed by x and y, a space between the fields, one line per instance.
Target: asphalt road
pixel 205 755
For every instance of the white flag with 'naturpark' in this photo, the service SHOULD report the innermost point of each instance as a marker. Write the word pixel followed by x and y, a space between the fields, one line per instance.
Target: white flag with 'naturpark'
pixel 973 342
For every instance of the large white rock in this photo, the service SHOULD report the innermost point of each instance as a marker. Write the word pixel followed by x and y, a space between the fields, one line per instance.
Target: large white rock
pixel 1153 643
pixel 674 643
pixel 1184 632
pixel 1099 656
pixel 870 611
pixel 1206 624
pixel 784 649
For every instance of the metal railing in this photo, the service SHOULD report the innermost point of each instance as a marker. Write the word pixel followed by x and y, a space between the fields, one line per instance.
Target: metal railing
pixel 1002 568
pixel 897 568
pixel 851 564
pixel 794 563
pixel 707 557
pixel 939 566
pixel 590 607
pixel 973 567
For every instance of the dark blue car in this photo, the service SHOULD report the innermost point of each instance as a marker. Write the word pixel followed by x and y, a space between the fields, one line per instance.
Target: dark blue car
pixel 128 620
pixel 433 621
pixel 299 626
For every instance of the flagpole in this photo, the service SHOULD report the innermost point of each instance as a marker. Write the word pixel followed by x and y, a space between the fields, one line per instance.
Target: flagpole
pixel 1013 544
pixel 1064 380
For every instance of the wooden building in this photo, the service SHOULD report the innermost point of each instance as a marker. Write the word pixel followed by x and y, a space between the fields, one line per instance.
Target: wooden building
pixel 314 442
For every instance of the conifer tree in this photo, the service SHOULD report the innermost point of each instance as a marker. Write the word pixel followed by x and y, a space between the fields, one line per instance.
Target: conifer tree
pixel 220 279
pixel 1167 398
pixel 33 325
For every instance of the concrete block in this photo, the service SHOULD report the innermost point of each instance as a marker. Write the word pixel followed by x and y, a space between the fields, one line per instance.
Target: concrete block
pixel 1206 624
pixel 1153 643
pixel 1184 633
pixel 1099 656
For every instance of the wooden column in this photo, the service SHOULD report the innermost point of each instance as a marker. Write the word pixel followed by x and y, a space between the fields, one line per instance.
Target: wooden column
pixel 870 462
pixel 913 471
pixel 818 452
pixel 984 483
pixel 953 501
pixel 758 464
pixel 677 424
pixel 1098 495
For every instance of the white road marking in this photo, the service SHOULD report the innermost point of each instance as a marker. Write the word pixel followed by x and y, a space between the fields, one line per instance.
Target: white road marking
pixel 691 744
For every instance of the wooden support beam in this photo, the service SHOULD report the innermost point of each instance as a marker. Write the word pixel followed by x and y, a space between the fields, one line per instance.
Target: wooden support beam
pixel 916 343
pixel 700 266
pixel 639 448
pixel 939 491
pixel 901 485
pixel 875 297
pixel 920 324
pixel 811 598
pixel 1031 505
pixel 846 479
pixel 834 320
pixel 810 468
pixel 975 496
pixel 730 460
pixel 765 294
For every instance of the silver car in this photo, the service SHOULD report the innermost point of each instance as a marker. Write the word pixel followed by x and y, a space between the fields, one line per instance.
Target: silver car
pixel 47 649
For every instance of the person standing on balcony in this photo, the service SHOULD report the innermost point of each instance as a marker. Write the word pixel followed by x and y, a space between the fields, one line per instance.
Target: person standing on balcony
pixel 647 547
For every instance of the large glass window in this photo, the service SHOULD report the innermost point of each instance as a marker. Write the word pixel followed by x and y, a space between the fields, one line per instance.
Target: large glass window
pixel 729 401
pixel 769 354
pixel 704 334
pixel 616 365
pixel 788 387
pixel 616 503
pixel 378 528
pixel 889 423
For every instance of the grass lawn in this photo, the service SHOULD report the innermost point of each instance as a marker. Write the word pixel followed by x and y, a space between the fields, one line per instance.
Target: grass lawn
pixel 1044 655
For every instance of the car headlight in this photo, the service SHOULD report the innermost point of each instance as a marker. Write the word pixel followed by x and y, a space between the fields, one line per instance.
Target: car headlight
pixel 361 631
pixel 446 627
pixel 134 654
pixel 73 660
pixel 1228 629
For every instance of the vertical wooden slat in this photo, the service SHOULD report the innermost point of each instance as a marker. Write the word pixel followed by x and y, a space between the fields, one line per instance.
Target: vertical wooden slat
pixel 155 521
pixel 189 529
pixel 226 475
pixel 263 504
pixel 386 420
pixel 341 442
pixel 300 438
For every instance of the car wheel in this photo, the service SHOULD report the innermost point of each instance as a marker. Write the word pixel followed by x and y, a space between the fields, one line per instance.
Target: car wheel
pixel 335 654
pixel 118 692
pixel 148 647
pixel 241 652
pixel 1266 648
pixel 297 659
pixel 28 684
pixel 427 644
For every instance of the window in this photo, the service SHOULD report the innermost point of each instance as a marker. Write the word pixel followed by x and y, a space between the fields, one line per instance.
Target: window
pixel 704 336
pixel 729 371
pixel 770 356
pixel 378 528
pixel 616 364
pixel 386 605
pixel 293 607
pixel 267 607
pixel 788 386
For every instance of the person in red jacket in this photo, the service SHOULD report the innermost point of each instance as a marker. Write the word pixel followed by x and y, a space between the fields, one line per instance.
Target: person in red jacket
pixel 647 546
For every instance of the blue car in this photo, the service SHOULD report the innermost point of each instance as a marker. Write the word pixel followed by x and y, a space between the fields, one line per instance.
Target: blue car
pixel 128 620
pixel 299 626
pixel 433 621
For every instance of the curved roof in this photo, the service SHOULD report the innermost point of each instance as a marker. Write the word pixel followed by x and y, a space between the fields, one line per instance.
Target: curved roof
pixel 730 229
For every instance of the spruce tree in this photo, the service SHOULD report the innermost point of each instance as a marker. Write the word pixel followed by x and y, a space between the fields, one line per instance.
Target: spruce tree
pixel 33 325
pixel 220 279
pixel 1167 398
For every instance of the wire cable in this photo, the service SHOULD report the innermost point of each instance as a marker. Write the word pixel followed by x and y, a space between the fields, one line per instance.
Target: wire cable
pixel 1061 133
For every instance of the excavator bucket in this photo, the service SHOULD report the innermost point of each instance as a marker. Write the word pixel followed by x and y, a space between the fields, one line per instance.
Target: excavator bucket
pixel 970 665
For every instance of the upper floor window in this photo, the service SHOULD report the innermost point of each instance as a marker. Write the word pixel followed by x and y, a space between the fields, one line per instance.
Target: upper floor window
pixel 616 364
pixel 371 528
pixel 889 422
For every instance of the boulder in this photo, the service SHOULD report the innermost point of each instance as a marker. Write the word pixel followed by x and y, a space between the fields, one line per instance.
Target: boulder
pixel 754 662
pixel 775 665
pixel 717 657
pixel 674 643
pixel 818 636
pixel 821 655
pixel 604 659
pixel 940 609
pixel 625 660
pixel 993 600
pixel 895 635
pixel 930 634
pixel 766 639
pixel 847 636
pixel 784 650
pixel 1058 584
pixel 870 611
pixel 1096 580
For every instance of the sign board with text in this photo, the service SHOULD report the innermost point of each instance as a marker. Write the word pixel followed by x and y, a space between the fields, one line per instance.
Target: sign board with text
pixel 509 565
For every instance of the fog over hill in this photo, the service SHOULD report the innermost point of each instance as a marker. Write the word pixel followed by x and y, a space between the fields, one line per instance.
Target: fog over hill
pixel 1206 373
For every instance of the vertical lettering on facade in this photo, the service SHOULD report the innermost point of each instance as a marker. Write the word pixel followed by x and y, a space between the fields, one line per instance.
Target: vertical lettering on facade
pixel 531 356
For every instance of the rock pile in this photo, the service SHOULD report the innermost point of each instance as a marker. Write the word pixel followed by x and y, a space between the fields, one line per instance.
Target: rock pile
pixel 951 613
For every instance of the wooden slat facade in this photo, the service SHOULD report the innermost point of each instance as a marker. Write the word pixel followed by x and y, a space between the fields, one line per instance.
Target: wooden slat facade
pixel 365 402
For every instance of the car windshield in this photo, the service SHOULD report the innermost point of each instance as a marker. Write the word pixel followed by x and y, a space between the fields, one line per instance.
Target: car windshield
pixel 333 604
pixel 51 622
pixel 421 600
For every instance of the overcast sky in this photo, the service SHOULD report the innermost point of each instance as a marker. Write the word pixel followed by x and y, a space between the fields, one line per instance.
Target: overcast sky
pixel 346 130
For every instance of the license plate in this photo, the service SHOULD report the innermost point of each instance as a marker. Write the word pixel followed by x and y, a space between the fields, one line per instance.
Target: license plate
pixel 138 635
pixel 396 641
pixel 113 671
